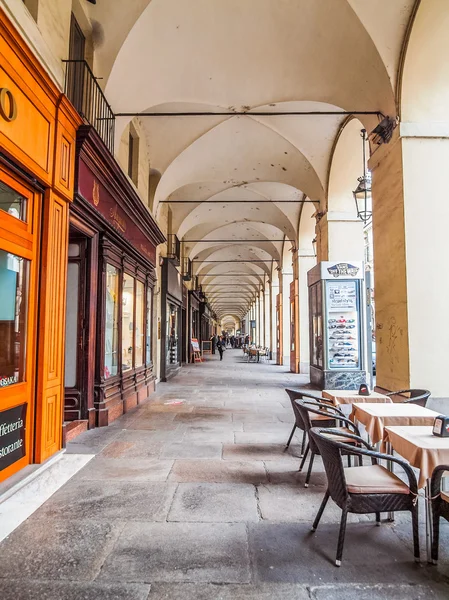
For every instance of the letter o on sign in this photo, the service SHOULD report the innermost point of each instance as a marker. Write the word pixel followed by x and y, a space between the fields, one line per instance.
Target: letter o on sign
pixel 8 106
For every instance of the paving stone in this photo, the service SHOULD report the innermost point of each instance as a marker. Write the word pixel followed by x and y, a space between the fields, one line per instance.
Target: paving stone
pixel 206 435
pixel 57 549
pixel 286 472
pixel 105 500
pixel 122 469
pixel 218 471
pixel 264 437
pixel 259 451
pixel 130 449
pixel 70 590
pixel 292 553
pixel 211 591
pixel 211 418
pixel 292 503
pixel 180 552
pixel 214 503
pixel 380 592
pixel 191 450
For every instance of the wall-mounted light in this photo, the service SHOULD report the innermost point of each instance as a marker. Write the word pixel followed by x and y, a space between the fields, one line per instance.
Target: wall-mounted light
pixel 314 244
pixel 161 261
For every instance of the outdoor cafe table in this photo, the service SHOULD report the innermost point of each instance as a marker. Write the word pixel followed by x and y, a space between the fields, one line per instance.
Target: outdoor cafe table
pixel 424 451
pixel 352 396
pixel 376 416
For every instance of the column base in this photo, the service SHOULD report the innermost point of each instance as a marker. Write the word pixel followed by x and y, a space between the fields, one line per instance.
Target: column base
pixel 337 380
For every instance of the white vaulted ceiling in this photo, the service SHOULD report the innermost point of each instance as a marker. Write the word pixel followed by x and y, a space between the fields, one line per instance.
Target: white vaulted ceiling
pixel 246 55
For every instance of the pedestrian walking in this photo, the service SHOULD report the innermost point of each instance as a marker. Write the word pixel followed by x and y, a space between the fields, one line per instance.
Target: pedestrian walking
pixel 220 346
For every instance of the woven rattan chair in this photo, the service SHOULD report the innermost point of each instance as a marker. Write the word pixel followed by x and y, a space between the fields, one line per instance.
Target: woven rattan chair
pixel 419 397
pixel 363 489
pixel 321 421
pixel 307 410
pixel 440 507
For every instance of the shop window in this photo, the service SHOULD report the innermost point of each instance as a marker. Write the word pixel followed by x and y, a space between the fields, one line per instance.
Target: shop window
pixel 133 156
pixel 12 202
pixel 127 322
pixel 111 325
pixel 140 323
pixel 172 334
pixel 71 330
pixel 14 274
pixel 149 326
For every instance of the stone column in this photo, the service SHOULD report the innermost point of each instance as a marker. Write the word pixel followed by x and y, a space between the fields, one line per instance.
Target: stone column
pixel 411 246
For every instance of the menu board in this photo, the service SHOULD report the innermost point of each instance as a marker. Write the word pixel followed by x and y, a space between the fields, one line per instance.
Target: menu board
pixel 195 345
pixel 341 296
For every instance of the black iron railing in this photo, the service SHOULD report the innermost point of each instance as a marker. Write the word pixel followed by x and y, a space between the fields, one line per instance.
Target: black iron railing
pixel 173 248
pixel 82 89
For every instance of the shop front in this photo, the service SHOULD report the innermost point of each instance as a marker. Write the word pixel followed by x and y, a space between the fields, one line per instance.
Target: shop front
pixel 194 319
pixel 171 316
pixel 37 149
pixel 111 276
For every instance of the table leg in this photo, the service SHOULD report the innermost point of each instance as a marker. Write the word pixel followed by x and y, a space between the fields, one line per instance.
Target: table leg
pixel 389 450
pixel 429 523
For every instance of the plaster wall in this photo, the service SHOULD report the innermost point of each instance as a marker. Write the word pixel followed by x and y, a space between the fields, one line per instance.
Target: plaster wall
pixel 427 248
pixel 392 346
pixel 344 237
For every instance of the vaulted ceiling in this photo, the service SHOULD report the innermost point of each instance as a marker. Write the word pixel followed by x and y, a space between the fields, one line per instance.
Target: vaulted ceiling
pixel 247 56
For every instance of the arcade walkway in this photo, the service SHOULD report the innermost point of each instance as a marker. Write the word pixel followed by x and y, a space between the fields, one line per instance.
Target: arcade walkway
pixel 191 497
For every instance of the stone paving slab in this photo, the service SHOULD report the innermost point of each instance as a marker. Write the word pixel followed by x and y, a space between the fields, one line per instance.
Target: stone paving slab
pixel 265 452
pixel 265 437
pixel 70 590
pixel 218 471
pixel 214 503
pixel 292 553
pixel 180 552
pixel 122 469
pixel 189 591
pixel 185 450
pixel 57 549
pixel 380 592
pixel 131 449
pixel 206 435
pixel 110 500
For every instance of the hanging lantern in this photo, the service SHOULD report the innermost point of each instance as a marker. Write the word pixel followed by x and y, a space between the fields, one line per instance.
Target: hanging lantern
pixel 362 194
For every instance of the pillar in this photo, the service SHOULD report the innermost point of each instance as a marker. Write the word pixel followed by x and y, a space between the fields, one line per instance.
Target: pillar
pixel 306 261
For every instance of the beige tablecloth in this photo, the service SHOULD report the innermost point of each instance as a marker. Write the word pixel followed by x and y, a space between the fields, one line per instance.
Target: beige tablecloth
pixel 377 416
pixel 351 396
pixel 420 447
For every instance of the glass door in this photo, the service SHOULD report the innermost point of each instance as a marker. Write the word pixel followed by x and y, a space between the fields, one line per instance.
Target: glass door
pixel 19 244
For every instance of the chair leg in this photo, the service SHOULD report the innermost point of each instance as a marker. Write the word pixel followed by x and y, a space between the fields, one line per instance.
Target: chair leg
pixel 290 438
pixel 436 537
pixel 360 460
pixel 378 519
pixel 309 471
pixel 341 536
pixel 349 460
pixel 303 444
pixel 321 510
pixel 415 527
pixel 304 458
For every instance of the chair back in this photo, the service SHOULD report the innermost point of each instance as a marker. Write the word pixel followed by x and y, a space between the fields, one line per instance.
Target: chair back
pixel 299 395
pixel 303 408
pixel 417 396
pixel 333 464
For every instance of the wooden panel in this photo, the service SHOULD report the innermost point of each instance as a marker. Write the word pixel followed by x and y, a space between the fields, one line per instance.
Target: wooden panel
pixel 64 172
pixel 294 326
pixel 52 327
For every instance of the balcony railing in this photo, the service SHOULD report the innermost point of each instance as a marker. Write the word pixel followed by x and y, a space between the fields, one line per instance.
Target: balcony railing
pixel 82 89
pixel 173 248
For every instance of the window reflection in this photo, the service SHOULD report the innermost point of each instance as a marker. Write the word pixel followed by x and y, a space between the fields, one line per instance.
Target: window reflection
pixel 140 322
pixel 127 322
pixel 111 325
pixel 14 274
pixel 149 324
pixel 12 202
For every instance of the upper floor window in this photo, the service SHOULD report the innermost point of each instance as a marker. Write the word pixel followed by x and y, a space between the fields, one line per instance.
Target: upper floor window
pixel 133 156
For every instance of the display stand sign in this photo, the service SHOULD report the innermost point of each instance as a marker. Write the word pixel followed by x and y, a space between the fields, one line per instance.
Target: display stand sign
pixel 196 352
pixel 12 435
pixel 206 347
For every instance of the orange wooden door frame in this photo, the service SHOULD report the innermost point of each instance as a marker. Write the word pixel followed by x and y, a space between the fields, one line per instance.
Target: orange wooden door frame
pixel 279 332
pixel 294 327
pixel 21 238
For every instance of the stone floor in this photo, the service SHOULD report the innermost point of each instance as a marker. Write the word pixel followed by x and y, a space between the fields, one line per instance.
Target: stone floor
pixel 190 496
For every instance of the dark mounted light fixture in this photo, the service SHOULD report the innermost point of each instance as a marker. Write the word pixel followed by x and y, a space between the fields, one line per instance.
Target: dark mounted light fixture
pixel 92 1
pixel 362 194
pixel 383 133
pixel 314 243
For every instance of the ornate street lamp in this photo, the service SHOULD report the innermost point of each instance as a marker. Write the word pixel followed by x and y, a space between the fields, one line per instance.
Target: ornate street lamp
pixel 362 194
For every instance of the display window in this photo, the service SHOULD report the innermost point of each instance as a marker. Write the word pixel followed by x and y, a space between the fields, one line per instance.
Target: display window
pixel 149 339
pixel 111 325
pixel 140 324
pixel 128 297
pixel 172 334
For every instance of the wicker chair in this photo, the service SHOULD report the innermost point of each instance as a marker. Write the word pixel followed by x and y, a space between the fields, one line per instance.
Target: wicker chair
pixel 419 397
pixel 323 421
pixel 440 507
pixel 307 409
pixel 364 489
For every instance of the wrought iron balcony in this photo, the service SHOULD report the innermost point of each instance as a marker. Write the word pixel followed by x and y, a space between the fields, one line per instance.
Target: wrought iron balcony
pixel 174 248
pixel 82 89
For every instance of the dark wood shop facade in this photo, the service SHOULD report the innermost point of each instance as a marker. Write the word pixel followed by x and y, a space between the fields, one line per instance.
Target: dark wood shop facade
pixel 110 282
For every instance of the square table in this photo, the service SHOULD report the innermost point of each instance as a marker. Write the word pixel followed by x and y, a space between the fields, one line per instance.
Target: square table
pixel 352 396
pixel 424 451
pixel 376 416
